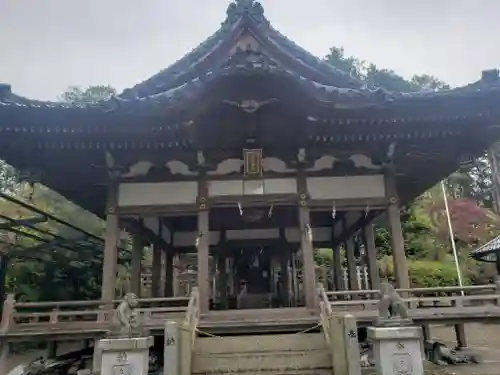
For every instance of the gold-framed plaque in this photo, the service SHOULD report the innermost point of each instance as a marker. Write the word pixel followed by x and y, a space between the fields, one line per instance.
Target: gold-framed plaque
pixel 252 162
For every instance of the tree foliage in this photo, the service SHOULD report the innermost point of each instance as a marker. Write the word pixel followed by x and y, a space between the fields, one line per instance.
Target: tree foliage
pixel 64 272
pixel 91 94
pixel 424 221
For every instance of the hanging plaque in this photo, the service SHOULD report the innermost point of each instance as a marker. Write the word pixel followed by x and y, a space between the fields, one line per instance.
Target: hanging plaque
pixel 253 162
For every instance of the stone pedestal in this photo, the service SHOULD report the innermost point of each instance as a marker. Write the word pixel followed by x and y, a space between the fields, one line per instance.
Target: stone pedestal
pixel 397 350
pixel 171 350
pixel 125 356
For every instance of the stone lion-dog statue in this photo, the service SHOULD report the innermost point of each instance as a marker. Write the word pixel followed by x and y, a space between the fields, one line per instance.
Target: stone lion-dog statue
pixel 126 317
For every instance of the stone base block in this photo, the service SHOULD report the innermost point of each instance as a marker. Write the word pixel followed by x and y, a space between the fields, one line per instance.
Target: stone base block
pixel 397 350
pixel 125 356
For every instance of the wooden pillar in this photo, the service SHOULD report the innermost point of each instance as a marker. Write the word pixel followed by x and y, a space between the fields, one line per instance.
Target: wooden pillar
pixel 371 256
pixel 308 277
pixel 350 254
pixel 295 281
pixel 169 273
pixel 338 276
pixel 285 292
pixel 136 264
pixel 203 245
pixel 109 266
pixel 203 253
pixel 397 239
pixel 222 280
pixel 156 276
pixel 52 349
pixel 493 154
pixel 460 335
pixel 4 262
pixel 175 278
pixel 306 242
pixel 352 277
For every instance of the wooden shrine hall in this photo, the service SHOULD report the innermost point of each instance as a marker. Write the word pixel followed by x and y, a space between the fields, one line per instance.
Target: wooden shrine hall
pixel 250 153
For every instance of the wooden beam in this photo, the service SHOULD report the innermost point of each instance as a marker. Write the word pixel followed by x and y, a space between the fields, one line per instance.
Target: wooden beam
pixel 359 223
pixel 135 226
pixel 21 222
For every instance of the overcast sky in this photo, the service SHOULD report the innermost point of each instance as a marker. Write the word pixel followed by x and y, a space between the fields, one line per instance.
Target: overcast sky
pixel 47 45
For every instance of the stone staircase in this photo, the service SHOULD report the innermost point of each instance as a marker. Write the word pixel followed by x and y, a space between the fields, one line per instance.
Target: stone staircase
pixel 303 353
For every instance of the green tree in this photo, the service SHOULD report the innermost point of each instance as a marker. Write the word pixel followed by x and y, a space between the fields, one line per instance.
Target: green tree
pixel 426 240
pixel 8 178
pixel 91 94
pixel 60 272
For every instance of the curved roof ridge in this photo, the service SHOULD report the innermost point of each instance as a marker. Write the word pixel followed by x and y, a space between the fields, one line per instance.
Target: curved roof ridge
pixel 240 13
pixel 234 13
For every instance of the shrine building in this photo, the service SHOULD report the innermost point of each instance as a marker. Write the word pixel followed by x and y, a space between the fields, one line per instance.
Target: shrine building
pixel 250 153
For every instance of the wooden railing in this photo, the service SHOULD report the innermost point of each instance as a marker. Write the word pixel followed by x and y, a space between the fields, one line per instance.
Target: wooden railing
pixel 84 314
pixel 188 331
pixel 454 296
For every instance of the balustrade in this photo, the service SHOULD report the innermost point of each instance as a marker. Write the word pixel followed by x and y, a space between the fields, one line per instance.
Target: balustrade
pixel 21 316
pixel 418 298
pixel 92 315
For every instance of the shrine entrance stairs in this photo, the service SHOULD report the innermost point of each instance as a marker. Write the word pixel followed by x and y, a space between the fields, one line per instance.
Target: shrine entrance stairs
pixel 288 353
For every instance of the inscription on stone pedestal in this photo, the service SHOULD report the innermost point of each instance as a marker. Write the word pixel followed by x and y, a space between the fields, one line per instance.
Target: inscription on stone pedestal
pixel 402 364
pixel 122 369
pixel 397 350
pixel 125 356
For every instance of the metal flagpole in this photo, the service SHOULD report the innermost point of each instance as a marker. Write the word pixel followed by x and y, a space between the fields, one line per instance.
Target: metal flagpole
pixel 452 237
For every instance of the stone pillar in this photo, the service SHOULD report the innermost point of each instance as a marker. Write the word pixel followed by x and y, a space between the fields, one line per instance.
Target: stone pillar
pixel 397 350
pixel 4 355
pixel 344 345
pixel 426 333
pixel 136 264
pixel 125 355
pixel 203 255
pixel 169 273
pixel 306 240
pixel 171 365
pixel 156 272
pixel 109 265
pixel 371 256
pixel 397 239
pixel 96 359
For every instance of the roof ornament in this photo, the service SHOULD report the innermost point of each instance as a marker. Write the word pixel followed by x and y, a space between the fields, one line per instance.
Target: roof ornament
pixel 490 77
pixel 240 8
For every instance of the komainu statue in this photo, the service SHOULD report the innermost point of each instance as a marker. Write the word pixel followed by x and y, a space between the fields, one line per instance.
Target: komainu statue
pixel 391 307
pixel 126 317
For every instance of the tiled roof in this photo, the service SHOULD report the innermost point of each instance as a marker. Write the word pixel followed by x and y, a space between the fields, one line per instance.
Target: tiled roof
pixel 277 55
pixel 488 252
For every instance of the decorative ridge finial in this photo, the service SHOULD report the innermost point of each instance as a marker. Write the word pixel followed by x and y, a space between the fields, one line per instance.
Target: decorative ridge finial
pixel 239 8
pixel 5 90
pixel 490 76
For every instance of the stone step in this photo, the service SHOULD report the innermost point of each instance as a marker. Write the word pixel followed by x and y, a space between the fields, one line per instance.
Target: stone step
pixel 276 354
pixel 259 343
